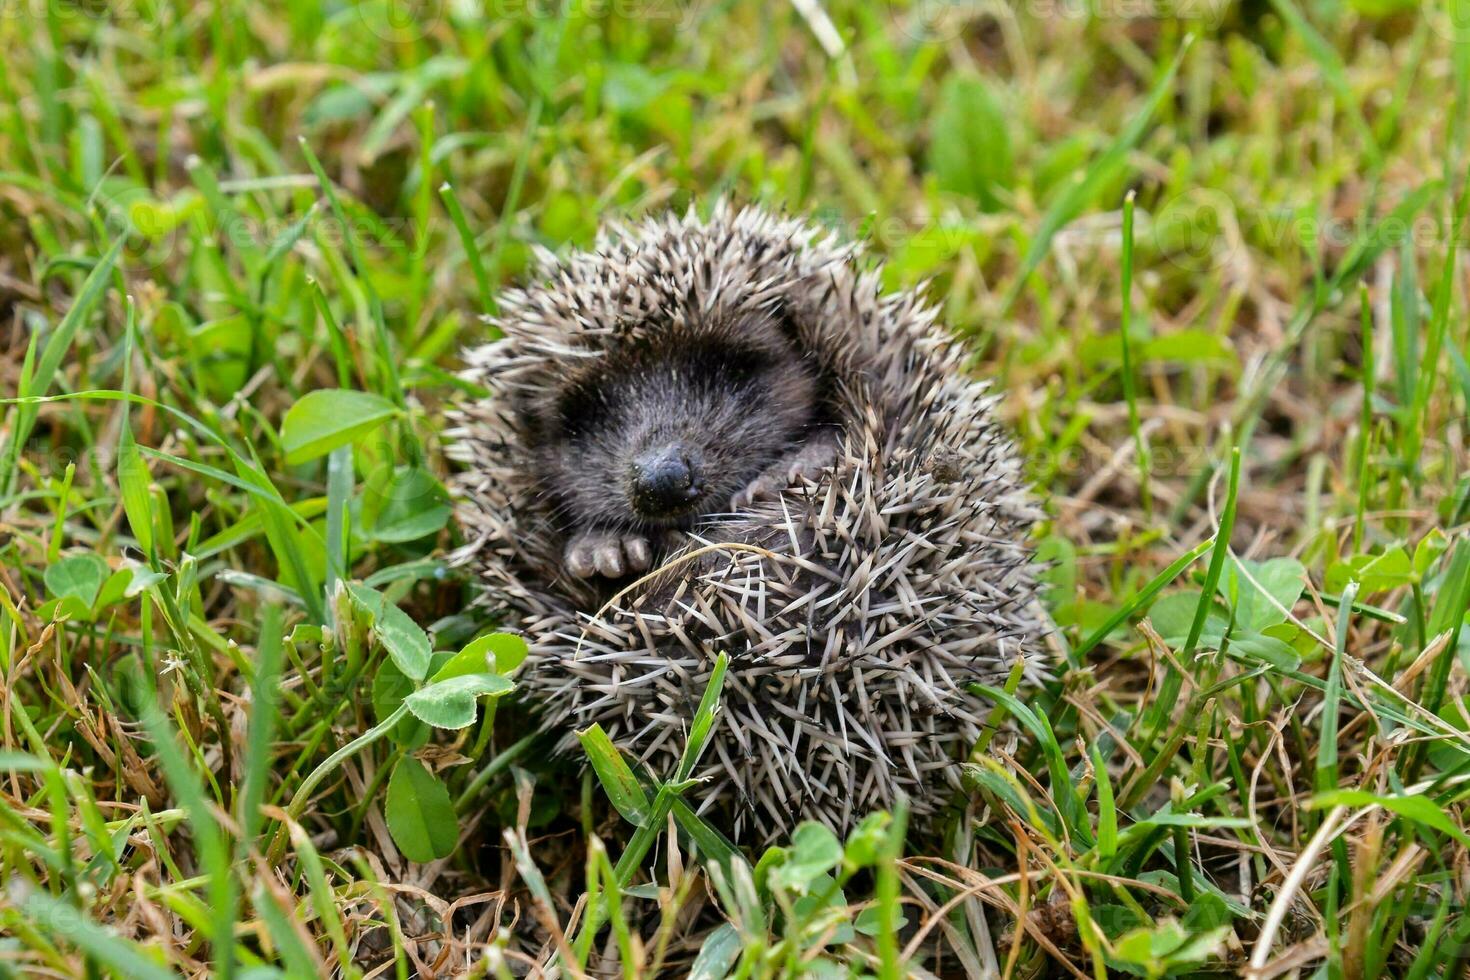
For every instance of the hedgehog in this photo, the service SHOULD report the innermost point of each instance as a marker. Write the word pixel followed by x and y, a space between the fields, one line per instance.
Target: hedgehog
pixel 721 434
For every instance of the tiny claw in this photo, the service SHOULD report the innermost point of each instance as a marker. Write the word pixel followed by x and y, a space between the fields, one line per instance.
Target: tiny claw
pixel 640 556
pixel 804 469
pixel 805 464
pixel 603 553
pixel 579 559
pixel 760 488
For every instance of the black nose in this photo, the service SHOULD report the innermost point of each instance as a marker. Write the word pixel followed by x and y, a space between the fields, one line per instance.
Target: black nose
pixel 665 482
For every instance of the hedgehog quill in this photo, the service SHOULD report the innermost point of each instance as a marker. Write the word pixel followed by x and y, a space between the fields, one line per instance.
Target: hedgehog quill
pixel 720 435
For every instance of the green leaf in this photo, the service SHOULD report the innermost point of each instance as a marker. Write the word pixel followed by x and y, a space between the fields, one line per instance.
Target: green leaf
pixel 1168 945
pixel 1373 573
pixel 499 653
pixel 420 813
pixel 117 586
pixel 927 251
pixel 618 782
pixel 1265 649
pixel 1427 552
pixel 408 505
pixel 1140 600
pixel 822 910
pixel 1174 614
pixel 980 779
pixel 870 920
pixel 1381 235
pixel 452 703
pixel 704 719
pixel 865 842
pixel 1063 789
pixel 1179 347
pixel 1207 911
pixel 1167 819
pixel 299 550
pixel 1416 809
pixel 133 479
pixel 78 576
pixel 390 689
pixel 338 104
pixel 814 851
pixel 330 417
pixel 405 642
pixel 970 145
pixel 1280 579
pixel 288 238
pixel 1383 8
pixel 155 219
pixel 718 954
pixel 629 88
pixel 1107 808
pixel 1188 347
pixel 712 847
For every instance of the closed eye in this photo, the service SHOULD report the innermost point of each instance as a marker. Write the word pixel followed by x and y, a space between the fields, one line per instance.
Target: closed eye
pixel 720 363
pixel 579 407
pixel 714 365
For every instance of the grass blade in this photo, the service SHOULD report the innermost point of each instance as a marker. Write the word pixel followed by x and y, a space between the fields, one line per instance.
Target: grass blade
pixel 1332 696
pixel 1102 170
pixel 1169 691
pixel 39 381
pixel 1125 329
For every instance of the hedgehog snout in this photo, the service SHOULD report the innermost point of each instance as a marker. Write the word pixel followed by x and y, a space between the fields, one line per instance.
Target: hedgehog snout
pixel 666 482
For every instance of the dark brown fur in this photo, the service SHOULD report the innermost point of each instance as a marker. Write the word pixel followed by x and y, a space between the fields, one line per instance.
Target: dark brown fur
pixel 740 398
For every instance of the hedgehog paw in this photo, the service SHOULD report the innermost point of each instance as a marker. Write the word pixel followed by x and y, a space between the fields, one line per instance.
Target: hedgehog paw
pixel 806 463
pixel 606 553
pixel 764 486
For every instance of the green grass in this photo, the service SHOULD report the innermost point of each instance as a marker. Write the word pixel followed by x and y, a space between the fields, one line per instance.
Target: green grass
pixel 1207 252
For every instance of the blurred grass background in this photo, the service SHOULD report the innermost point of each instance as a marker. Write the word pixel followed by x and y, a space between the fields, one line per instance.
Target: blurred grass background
pixel 215 214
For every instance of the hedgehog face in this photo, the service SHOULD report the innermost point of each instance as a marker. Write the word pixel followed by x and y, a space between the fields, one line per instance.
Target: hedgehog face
pixel 665 429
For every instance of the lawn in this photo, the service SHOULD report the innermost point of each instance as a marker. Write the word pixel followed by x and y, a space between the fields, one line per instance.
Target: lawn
pixel 1208 252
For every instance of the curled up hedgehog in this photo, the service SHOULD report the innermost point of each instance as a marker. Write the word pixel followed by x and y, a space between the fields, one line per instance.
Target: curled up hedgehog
pixel 719 435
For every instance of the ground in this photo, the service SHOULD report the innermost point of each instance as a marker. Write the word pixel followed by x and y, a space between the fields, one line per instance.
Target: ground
pixel 1207 252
